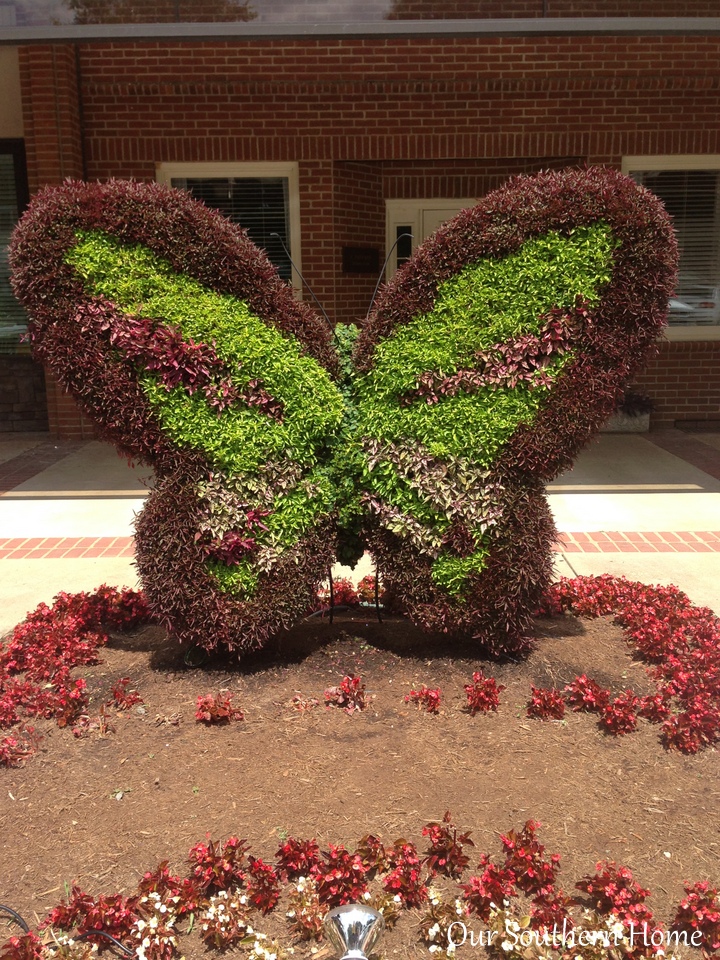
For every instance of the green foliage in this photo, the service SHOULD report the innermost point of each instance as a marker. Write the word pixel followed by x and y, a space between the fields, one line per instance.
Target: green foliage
pixel 240 580
pixel 486 303
pixel 452 573
pixel 242 438
pixel 347 460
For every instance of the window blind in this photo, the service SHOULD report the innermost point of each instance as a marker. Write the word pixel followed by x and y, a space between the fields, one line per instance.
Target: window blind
pixel 259 204
pixel 13 322
pixel 691 197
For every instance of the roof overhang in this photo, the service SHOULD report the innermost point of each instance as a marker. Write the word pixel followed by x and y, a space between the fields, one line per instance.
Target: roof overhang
pixel 387 29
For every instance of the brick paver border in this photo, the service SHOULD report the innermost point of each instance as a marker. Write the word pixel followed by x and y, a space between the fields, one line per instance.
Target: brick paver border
pixel 65 548
pixel 601 541
pixel 616 541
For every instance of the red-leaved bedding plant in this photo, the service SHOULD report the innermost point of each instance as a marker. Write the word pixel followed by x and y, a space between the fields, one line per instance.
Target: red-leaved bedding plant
pixel 488 890
pixel 340 877
pixel 349 695
pixel 122 697
pixel 212 710
pixel 619 716
pixel 679 641
pixel 614 891
pixel 545 704
pixel 699 912
pixel 445 854
pixel 427 699
pixel 533 873
pixel 36 660
pixel 225 888
pixel 585 694
pixel 483 694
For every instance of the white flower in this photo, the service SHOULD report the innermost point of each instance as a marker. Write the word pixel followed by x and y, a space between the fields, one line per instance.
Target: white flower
pixel 506 945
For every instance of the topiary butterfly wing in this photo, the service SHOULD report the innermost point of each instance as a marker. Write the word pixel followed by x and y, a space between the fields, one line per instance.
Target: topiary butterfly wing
pixel 488 362
pixel 178 338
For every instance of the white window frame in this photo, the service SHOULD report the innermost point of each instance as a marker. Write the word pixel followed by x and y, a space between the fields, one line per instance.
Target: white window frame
pixel 408 213
pixel 166 172
pixel 690 161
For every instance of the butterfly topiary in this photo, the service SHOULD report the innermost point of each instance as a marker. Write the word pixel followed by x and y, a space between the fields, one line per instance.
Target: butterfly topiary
pixel 279 444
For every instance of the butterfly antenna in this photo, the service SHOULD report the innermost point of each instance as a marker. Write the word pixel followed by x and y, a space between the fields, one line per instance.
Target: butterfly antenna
pixel 297 271
pixel 402 236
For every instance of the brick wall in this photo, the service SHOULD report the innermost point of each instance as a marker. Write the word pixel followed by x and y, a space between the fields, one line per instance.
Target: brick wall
pixel 684 382
pixel 368 120
pixel 359 222
pixel 51 114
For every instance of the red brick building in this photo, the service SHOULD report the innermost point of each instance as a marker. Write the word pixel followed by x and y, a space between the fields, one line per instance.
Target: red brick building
pixel 344 135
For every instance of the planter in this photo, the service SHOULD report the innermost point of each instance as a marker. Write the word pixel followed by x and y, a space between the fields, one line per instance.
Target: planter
pixel 626 423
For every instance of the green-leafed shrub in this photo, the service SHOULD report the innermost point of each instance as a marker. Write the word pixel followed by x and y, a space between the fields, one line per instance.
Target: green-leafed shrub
pixel 429 434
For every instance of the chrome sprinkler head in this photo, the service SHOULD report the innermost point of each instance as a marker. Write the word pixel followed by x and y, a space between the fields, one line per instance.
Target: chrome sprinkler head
pixel 353 930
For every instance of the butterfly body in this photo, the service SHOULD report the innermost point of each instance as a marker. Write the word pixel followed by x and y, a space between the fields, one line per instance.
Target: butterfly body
pixel 427 436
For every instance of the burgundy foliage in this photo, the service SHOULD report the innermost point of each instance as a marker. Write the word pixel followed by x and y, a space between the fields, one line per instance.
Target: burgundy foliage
pixel 494 885
pixel 341 877
pixel 225 867
pixel 349 695
pixel 524 854
pixel 213 710
pixel 612 889
pixel 297 858
pixel 506 364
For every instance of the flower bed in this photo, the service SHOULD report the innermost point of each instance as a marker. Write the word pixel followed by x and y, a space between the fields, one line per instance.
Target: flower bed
pixel 513 905
pixel 679 641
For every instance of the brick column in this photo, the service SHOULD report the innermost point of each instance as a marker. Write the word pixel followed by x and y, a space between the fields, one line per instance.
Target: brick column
pixel 53 144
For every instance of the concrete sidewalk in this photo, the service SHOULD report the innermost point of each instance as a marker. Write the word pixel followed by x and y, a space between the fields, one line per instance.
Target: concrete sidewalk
pixel 646 506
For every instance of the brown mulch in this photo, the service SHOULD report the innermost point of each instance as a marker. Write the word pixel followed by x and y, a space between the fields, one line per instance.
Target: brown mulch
pixel 100 810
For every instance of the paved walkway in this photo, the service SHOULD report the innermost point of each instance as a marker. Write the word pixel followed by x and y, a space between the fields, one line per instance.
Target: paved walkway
pixel 644 506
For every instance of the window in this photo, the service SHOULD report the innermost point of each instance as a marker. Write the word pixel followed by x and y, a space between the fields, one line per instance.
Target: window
pixel 689 186
pixel 13 199
pixel 261 198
